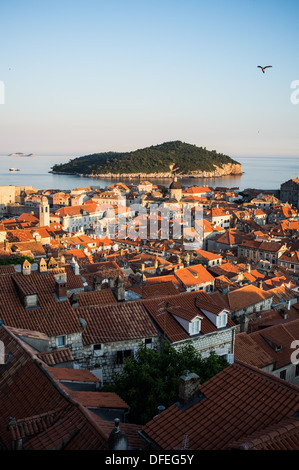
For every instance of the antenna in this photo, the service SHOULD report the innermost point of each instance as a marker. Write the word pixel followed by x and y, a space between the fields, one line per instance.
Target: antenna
pixel 185 442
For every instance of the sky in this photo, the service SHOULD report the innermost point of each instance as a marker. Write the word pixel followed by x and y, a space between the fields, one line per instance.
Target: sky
pixel 80 77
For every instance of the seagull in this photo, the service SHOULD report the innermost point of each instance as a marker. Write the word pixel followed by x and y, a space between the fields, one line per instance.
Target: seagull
pixel 263 68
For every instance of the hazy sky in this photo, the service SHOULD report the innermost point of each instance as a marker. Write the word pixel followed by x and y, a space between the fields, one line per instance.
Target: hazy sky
pixel 91 76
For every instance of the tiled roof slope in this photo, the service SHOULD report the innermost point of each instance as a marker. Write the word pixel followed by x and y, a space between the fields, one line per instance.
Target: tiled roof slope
pixel 162 309
pixel 115 322
pixel 96 297
pixel 72 375
pixel 240 298
pixel 239 401
pixel 35 408
pixel 272 343
pixel 56 356
pixel 281 436
pixel 51 316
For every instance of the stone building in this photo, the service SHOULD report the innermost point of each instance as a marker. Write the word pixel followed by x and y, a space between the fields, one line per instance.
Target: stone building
pixel 289 192
pixel 112 332
pixel 196 317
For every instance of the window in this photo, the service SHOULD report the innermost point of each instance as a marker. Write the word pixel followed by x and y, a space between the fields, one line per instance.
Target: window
pixel 98 350
pixel 297 370
pixel 222 320
pixel 282 374
pixel 194 327
pixel 148 342
pixel 121 355
pixel 61 341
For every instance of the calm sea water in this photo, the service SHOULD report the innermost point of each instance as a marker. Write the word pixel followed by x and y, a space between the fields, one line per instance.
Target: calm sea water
pixel 259 172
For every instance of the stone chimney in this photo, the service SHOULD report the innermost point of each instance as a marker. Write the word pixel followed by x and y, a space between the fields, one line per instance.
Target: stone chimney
pixel 117 439
pixel 244 323
pixel 75 266
pixel 110 282
pixel 96 283
pixel 189 387
pixel 120 289
pixel 61 290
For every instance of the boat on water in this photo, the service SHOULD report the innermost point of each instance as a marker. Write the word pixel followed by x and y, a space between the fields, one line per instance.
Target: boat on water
pixel 14 169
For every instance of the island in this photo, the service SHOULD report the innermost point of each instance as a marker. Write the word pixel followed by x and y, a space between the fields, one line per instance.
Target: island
pixel 20 154
pixel 159 161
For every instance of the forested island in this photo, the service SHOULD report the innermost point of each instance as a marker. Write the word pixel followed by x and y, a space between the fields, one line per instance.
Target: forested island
pixel 155 161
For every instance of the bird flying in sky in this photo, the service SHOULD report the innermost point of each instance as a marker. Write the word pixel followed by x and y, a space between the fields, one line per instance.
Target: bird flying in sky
pixel 263 68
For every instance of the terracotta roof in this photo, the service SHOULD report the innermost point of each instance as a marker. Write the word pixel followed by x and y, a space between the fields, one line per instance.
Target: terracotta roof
pixel 246 296
pixel 51 316
pixel 163 309
pixel 281 436
pixel 194 275
pixel 237 402
pixel 272 345
pixel 56 356
pixel 35 408
pixel 156 290
pixel 98 399
pixel 94 298
pixel 65 374
pixel 115 322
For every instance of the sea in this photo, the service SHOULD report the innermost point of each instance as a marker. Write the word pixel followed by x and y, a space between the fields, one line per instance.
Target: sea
pixel 260 172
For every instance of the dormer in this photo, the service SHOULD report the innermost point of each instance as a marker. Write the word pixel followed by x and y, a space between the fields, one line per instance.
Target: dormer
pixel 217 315
pixel 191 322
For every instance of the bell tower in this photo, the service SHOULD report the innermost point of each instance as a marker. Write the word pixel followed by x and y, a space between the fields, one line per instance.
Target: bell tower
pixel 44 212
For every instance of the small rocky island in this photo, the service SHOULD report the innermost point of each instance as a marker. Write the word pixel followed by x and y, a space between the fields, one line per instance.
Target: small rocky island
pixel 20 154
pixel 157 161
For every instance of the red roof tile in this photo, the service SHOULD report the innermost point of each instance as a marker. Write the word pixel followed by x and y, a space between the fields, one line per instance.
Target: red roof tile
pixel 241 399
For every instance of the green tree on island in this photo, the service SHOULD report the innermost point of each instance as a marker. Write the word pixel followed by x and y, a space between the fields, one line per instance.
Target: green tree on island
pixel 150 379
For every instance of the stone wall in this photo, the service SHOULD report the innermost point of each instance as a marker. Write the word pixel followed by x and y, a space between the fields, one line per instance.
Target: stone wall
pixel 110 359
pixel 222 342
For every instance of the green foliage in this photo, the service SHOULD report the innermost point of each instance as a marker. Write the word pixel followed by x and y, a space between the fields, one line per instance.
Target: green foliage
pixel 154 159
pixel 16 260
pixel 151 379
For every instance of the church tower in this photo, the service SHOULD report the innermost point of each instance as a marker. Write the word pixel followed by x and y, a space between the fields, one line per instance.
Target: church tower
pixel 44 212
pixel 175 190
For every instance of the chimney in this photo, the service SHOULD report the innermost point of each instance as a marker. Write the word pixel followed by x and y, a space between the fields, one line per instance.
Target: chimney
pixel 117 439
pixel 60 290
pixel 26 268
pixel 74 301
pixel 96 284
pixel 75 266
pixel 189 387
pixel 120 289
pixel 110 282
pixel 244 320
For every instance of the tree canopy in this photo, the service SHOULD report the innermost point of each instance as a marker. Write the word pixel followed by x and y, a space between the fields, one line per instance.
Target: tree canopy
pixel 151 378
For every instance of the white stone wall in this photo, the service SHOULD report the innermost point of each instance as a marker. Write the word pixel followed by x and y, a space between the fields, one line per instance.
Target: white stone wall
pixel 222 342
